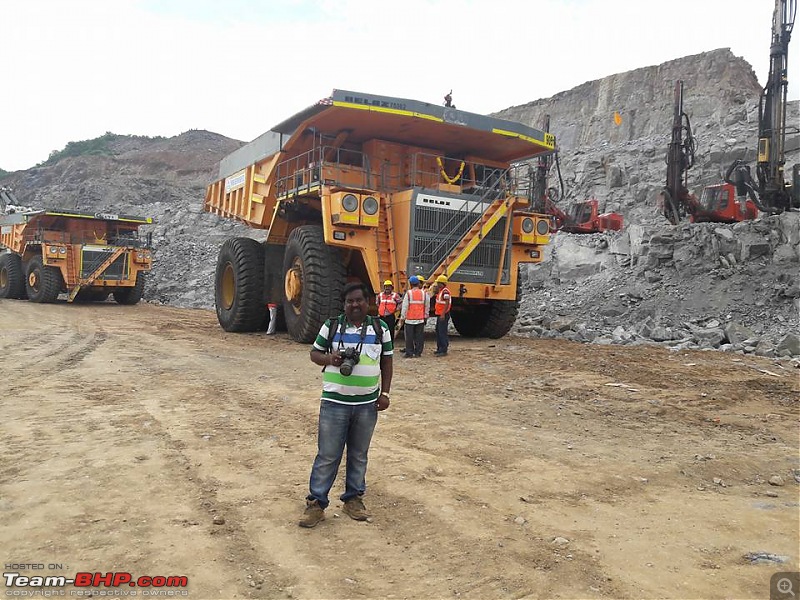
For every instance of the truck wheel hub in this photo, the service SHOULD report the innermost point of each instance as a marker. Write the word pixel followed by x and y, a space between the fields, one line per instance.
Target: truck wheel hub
pixel 293 284
pixel 228 287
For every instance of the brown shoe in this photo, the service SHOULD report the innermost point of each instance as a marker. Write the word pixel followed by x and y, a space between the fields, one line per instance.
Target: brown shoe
pixel 355 509
pixel 314 514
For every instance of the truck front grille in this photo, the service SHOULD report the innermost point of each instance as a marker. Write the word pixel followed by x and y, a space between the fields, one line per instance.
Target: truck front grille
pixel 435 233
pixel 91 259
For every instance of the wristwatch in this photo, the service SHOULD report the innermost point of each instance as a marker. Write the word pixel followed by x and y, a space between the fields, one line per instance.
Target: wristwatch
pixel 385 394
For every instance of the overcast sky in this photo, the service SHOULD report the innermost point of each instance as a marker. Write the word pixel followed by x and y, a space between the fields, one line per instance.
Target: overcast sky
pixel 74 69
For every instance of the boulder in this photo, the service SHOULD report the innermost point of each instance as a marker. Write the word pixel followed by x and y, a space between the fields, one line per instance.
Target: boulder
pixel 789 345
pixel 736 333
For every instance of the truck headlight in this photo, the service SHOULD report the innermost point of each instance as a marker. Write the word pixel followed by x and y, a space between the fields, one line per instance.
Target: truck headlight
pixel 370 205
pixel 527 224
pixel 350 203
pixel 542 227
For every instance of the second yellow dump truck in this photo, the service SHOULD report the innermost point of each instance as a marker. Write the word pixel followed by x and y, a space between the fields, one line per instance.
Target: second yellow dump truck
pixel 367 187
pixel 86 255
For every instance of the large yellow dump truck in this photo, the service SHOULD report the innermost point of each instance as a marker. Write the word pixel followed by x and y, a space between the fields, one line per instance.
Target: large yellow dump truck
pixel 88 256
pixel 369 187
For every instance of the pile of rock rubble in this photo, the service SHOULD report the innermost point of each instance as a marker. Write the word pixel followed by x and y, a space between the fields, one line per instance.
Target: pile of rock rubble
pixel 734 288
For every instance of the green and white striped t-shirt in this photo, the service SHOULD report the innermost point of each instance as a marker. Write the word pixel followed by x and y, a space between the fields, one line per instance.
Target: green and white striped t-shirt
pixel 363 384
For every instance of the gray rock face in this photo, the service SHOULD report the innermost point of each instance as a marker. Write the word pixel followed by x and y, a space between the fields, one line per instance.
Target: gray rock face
pixel 623 165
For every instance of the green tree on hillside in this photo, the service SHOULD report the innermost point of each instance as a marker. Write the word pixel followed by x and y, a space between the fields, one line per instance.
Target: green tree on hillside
pixel 98 146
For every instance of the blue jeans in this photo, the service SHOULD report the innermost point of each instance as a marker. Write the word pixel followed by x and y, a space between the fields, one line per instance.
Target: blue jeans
pixel 342 425
pixel 442 341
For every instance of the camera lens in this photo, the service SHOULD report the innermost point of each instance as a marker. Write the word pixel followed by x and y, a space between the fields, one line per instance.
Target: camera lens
pixel 349 360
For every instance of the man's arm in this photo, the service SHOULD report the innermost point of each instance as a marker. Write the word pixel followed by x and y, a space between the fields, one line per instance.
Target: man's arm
pixel 387 370
pixel 404 309
pixel 318 354
pixel 323 359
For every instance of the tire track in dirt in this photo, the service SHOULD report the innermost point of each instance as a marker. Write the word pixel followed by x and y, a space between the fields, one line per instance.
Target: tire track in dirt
pixel 173 458
pixel 54 354
pixel 183 416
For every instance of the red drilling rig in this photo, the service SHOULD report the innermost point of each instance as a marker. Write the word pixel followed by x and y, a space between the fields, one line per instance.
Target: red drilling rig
pixel 583 217
pixel 740 197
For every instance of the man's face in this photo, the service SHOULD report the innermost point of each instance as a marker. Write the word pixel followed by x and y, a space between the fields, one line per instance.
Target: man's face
pixel 355 306
pixel 387 289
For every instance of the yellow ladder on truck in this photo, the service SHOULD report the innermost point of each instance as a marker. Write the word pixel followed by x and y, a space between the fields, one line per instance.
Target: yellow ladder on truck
pixel 387 255
pixel 88 280
pixel 491 217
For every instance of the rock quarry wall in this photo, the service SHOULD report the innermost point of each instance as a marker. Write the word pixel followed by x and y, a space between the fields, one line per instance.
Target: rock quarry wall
pixel 623 165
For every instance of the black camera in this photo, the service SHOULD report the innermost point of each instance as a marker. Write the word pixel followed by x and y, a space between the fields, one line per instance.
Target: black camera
pixel 349 360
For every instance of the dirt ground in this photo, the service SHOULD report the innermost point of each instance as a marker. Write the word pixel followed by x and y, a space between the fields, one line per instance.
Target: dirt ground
pixel 509 469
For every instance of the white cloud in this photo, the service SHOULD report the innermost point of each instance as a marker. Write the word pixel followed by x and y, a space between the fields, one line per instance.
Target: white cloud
pixel 77 69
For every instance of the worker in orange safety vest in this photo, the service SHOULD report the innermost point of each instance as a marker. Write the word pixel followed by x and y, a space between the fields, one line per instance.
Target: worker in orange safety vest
pixel 388 302
pixel 412 316
pixel 443 304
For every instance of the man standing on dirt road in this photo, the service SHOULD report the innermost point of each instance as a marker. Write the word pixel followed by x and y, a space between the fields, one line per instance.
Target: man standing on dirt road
pixel 388 302
pixel 355 351
pixel 412 317
pixel 443 303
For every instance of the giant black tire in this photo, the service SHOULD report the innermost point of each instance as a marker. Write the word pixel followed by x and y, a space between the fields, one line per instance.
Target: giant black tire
pixel 239 285
pixel 502 316
pixel 470 320
pixel 491 320
pixel 90 295
pixel 130 295
pixel 12 281
pixel 314 277
pixel 42 283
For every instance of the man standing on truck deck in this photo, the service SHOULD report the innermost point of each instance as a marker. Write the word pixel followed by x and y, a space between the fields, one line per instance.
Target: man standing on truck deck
pixel 355 351
pixel 388 301
pixel 442 304
pixel 412 315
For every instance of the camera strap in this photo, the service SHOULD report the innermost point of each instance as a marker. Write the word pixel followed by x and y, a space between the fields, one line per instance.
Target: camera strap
pixel 338 323
pixel 361 338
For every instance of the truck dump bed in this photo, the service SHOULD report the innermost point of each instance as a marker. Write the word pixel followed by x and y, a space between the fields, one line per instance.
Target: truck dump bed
pixel 53 225
pixel 257 175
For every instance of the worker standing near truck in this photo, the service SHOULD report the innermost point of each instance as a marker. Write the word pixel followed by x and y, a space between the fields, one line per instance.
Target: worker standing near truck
pixel 388 301
pixel 442 303
pixel 412 317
